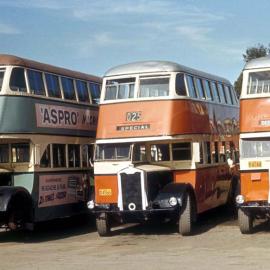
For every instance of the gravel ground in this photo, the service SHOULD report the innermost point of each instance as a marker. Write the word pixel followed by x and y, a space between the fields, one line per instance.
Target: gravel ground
pixel 74 244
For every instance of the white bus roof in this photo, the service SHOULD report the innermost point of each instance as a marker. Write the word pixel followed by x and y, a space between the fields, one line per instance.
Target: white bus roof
pixel 261 62
pixel 158 66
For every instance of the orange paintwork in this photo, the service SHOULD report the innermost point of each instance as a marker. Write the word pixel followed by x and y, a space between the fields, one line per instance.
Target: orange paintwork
pixel 254 115
pixel 166 117
pixel 211 185
pixel 106 182
pixel 255 185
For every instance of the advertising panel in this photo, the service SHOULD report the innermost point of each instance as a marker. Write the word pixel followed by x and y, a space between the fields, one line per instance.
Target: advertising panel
pixel 52 116
pixel 60 189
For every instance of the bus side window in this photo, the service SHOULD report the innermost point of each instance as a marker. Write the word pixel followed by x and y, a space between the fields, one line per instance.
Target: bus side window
pixel 222 155
pixel 4 153
pixel 139 153
pixel 233 94
pixel 191 87
pixel 45 161
pixel 82 91
pixel 200 89
pixel 208 152
pixel 180 87
pixel 95 92
pixel 207 87
pixel 221 93
pixel 59 155
pixel 201 153
pixel 53 86
pixel 17 80
pixel 68 88
pixel 36 82
pixel 73 155
pixel 215 153
pixel 2 73
pixel 228 94
pixel 20 152
pixel 215 92
pixel 181 151
pixel 160 152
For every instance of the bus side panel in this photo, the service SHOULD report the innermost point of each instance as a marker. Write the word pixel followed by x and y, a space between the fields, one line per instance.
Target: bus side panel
pixel 25 180
pixel 258 114
pixel 60 194
pixel 255 186
pixel 211 185
pixel 106 189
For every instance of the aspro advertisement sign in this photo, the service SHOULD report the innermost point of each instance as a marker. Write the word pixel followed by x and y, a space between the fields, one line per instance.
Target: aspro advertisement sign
pixel 51 116
pixel 60 189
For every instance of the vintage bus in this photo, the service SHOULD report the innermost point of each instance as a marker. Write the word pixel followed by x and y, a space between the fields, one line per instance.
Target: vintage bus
pixel 254 198
pixel 167 145
pixel 48 119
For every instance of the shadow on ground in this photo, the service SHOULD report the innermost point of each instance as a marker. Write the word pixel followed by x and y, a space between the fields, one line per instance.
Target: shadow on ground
pixel 52 230
pixel 221 216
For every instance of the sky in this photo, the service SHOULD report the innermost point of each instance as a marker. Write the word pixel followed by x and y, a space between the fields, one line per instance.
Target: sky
pixel 92 36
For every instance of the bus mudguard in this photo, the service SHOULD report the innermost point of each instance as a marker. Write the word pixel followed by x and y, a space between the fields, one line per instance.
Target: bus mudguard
pixel 173 195
pixel 7 193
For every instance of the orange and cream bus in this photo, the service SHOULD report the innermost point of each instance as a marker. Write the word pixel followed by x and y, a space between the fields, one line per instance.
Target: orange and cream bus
pixel 165 135
pixel 48 121
pixel 254 198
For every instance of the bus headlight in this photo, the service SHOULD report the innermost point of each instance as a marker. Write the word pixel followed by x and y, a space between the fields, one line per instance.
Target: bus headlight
pixel 91 204
pixel 240 199
pixel 173 201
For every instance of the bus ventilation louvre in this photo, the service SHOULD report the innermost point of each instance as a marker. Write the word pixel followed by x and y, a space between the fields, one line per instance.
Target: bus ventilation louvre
pixel 131 191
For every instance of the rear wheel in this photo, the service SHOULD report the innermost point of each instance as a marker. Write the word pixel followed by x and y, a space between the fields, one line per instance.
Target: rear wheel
pixel 187 217
pixel 103 225
pixel 245 222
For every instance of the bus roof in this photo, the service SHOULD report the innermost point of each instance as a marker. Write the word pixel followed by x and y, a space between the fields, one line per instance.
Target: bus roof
pixel 12 60
pixel 261 62
pixel 158 66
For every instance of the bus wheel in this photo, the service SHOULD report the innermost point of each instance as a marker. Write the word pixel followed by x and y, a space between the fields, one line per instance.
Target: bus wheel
pixel 186 217
pixel 103 225
pixel 16 219
pixel 245 222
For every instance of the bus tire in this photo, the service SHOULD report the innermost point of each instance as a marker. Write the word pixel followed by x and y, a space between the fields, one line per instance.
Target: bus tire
pixel 16 219
pixel 245 222
pixel 186 217
pixel 103 225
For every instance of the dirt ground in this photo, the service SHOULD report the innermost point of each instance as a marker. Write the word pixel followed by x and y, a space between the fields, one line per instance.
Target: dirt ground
pixel 74 244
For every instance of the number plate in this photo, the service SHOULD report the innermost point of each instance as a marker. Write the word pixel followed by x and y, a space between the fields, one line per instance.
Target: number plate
pixel 105 192
pixel 253 164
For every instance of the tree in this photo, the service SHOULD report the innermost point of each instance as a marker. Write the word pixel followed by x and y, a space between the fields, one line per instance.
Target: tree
pixel 251 53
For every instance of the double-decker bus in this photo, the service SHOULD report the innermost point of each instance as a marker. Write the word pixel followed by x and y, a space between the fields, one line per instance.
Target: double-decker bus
pixel 167 144
pixel 48 119
pixel 254 198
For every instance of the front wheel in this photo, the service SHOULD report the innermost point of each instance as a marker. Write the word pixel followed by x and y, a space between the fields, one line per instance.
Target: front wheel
pixel 103 225
pixel 186 217
pixel 245 222
pixel 17 219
